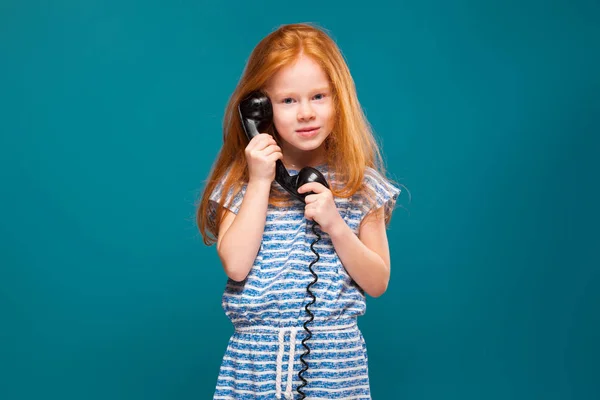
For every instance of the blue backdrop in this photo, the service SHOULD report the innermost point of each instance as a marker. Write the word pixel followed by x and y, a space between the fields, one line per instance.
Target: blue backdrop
pixel 488 113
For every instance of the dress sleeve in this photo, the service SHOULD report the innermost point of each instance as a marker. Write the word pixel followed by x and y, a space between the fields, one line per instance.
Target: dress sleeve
pixel 380 193
pixel 232 203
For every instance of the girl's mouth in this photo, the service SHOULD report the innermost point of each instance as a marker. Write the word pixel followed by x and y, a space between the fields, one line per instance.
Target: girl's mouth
pixel 308 132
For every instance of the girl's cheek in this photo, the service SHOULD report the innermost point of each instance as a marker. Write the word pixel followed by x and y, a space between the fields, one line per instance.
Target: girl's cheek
pixel 288 116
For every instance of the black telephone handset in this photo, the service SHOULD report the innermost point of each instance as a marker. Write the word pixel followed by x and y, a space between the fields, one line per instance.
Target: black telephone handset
pixel 256 114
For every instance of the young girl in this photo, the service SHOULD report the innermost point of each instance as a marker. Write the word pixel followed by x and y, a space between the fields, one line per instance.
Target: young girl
pixel 264 235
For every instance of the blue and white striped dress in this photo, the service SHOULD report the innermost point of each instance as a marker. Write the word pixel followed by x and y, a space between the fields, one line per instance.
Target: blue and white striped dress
pixel 267 309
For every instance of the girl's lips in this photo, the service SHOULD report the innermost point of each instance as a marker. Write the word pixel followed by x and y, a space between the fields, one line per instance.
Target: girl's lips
pixel 308 132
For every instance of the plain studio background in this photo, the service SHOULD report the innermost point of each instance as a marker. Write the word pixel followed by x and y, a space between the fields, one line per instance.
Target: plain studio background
pixel 111 118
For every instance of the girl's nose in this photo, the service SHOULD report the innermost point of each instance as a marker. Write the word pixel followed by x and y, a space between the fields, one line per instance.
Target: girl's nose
pixel 305 112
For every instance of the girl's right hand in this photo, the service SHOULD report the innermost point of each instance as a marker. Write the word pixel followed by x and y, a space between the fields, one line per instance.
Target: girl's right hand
pixel 261 153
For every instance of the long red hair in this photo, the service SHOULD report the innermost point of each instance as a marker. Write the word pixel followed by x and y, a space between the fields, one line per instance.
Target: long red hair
pixel 351 145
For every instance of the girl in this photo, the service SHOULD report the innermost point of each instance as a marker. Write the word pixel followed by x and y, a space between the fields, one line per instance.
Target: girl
pixel 264 235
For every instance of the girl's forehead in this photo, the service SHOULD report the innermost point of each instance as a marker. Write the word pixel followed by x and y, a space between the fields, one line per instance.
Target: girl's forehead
pixel 303 73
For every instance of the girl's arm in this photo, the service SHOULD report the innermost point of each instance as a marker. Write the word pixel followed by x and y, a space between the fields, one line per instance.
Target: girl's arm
pixel 366 257
pixel 240 235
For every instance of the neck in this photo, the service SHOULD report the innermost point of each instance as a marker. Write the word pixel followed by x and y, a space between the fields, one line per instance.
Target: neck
pixel 298 159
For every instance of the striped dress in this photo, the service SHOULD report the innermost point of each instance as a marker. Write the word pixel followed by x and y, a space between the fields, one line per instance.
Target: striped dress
pixel 267 309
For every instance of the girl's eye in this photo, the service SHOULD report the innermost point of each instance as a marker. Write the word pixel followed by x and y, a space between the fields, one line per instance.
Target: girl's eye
pixel 319 96
pixel 287 100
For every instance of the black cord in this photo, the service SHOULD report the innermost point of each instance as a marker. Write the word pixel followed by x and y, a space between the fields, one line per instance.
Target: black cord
pixel 310 314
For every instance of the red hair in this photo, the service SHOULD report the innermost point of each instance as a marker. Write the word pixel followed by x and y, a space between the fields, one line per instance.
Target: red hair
pixel 351 147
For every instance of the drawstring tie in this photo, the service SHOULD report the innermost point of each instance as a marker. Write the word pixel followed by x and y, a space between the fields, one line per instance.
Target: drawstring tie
pixel 288 388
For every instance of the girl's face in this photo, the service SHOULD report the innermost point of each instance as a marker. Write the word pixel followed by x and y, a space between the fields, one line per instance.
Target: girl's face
pixel 303 110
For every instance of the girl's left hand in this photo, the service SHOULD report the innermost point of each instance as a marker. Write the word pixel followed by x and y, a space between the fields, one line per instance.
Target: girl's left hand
pixel 320 206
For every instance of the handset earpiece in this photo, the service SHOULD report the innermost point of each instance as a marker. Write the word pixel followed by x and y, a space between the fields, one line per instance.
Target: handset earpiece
pixel 256 114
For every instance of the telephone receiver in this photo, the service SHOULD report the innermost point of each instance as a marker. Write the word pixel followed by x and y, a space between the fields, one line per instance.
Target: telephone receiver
pixel 256 113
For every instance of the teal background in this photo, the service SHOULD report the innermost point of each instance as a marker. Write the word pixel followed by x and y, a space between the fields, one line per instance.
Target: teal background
pixel 488 113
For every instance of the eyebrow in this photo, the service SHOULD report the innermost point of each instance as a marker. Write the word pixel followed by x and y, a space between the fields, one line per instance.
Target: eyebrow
pixel 318 90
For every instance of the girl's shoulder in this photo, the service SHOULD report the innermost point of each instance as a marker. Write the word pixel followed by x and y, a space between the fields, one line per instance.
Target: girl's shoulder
pixel 377 191
pixel 232 200
pixel 376 180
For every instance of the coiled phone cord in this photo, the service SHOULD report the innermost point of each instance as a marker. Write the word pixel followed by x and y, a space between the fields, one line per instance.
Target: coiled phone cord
pixel 310 314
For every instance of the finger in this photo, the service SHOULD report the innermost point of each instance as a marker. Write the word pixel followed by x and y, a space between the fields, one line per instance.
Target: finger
pixel 315 187
pixel 311 198
pixel 308 214
pixel 266 137
pixel 252 144
pixel 271 149
pixel 267 141
pixel 275 156
pixel 260 141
